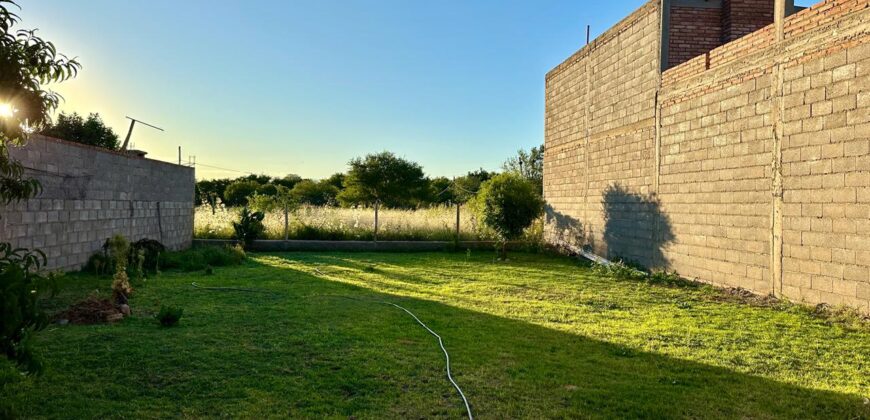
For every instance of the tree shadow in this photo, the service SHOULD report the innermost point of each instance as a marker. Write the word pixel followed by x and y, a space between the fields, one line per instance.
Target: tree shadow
pixel 325 348
pixel 635 228
pixel 514 369
pixel 562 230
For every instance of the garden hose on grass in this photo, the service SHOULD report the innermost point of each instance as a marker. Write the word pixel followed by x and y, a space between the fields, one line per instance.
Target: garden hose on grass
pixel 440 340
pixel 446 357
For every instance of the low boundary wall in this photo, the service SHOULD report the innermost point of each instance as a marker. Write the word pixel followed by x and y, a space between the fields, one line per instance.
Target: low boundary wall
pixel 90 194
pixel 359 246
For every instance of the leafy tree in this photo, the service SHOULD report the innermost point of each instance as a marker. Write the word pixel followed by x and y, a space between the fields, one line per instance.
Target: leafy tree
pixel 465 187
pixel 91 131
pixel 283 200
pixel 288 181
pixel 336 180
pixel 508 204
pixel 209 191
pixel 238 192
pixel 441 191
pixel 383 179
pixel 529 165
pixel 27 63
pixel 315 193
pixel 260 179
pixel 268 189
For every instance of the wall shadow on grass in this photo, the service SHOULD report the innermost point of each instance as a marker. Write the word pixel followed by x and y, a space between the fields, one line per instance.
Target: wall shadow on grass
pixel 303 351
pixel 513 369
pixel 635 228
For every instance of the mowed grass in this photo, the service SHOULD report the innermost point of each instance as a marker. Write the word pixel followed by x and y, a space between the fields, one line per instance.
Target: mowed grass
pixel 536 337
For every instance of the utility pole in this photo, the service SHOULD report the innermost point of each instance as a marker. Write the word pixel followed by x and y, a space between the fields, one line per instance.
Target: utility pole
pixel 130 132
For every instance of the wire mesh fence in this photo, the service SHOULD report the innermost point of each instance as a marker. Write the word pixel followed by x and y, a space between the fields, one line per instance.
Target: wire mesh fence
pixel 438 223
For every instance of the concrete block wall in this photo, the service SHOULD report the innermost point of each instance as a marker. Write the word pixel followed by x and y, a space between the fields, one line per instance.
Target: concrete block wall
pixel 90 194
pixel 600 114
pixel 757 175
pixel 826 158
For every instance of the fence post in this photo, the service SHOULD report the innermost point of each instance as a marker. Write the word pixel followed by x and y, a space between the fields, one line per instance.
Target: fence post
pixel 457 224
pixel 376 219
pixel 286 223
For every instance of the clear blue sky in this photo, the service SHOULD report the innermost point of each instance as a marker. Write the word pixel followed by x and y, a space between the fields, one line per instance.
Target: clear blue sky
pixel 282 87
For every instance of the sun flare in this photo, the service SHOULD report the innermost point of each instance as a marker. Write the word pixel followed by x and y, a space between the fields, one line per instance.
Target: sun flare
pixel 6 110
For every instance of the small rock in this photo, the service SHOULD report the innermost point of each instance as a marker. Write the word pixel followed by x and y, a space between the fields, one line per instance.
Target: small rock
pixel 62 321
pixel 114 317
pixel 125 309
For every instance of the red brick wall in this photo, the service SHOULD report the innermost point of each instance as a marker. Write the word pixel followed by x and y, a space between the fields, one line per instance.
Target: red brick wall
pixel 742 17
pixel 694 31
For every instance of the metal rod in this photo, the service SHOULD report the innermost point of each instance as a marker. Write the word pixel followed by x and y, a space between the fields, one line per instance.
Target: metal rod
pixel 143 122
pixel 133 122
pixel 129 132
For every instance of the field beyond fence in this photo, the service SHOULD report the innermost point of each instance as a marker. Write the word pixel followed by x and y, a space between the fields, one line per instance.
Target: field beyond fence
pixel 336 223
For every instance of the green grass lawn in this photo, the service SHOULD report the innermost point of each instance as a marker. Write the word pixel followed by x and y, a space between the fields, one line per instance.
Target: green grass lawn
pixel 536 337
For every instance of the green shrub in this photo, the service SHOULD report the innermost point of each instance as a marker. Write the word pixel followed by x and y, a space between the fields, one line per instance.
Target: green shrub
pixel 250 226
pixel 237 193
pixel 200 258
pixel 119 251
pixel 508 204
pixel 99 264
pixel 151 248
pixel 21 288
pixel 169 315
pixel 619 269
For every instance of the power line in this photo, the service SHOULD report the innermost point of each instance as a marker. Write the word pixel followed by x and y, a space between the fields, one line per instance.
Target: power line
pixel 224 169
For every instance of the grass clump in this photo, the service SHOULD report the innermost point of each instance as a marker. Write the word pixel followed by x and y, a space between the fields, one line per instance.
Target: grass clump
pixel 203 257
pixel 169 315
pixel 619 269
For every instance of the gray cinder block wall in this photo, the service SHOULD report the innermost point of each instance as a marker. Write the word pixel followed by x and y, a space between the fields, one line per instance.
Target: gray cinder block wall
pixel 746 166
pixel 90 194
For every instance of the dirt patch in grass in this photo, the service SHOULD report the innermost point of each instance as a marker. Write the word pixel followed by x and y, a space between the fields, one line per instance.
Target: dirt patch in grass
pixel 831 314
pixel 741 295
pixel 92 310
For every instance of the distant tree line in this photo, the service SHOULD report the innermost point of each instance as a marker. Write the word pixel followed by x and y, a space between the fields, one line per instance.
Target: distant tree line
pixel 377 179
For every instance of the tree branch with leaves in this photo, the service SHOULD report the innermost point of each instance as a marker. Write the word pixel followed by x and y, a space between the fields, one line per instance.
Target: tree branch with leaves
pixel 27 64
